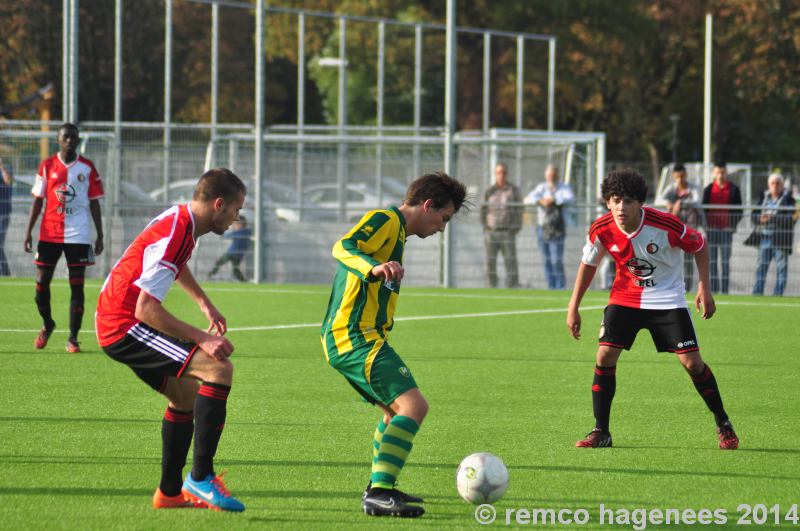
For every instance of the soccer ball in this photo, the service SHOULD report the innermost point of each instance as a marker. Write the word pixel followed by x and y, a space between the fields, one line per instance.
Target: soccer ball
pixel 481 478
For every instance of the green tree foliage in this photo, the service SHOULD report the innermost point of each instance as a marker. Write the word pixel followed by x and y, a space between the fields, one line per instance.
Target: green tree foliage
pixel 623 67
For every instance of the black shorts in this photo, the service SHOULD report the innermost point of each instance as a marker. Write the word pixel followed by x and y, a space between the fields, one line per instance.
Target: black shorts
pixel 672 330
pixel 152 355
pixel 77 254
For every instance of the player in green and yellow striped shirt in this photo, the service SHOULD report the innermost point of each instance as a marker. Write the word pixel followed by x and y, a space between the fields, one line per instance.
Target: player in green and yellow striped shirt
pixel 360 316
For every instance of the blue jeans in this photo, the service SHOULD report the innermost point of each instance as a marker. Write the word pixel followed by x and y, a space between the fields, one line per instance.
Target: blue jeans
pixel 553 255
pixel 766 252
pixel 719 243
pixel 4 271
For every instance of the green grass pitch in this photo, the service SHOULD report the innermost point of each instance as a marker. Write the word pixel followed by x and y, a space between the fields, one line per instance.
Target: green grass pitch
pixel 80 435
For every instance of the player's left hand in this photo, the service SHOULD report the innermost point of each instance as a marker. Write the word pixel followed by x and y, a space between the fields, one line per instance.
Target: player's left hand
pixel 705 300
pixel 98 246
pixel 216 320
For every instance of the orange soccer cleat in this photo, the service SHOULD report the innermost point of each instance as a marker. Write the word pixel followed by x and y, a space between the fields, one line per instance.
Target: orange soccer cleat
pixel 596 438
pixel 162 501
pixel 43 337
pixel 73 347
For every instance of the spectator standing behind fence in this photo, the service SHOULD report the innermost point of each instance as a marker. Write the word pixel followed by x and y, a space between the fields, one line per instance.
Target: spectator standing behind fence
pixel 552 198
pixel 776 229
pixel 6 184
pixel 721 224
pixel 501 216
pixel 240 246
pixel 683 201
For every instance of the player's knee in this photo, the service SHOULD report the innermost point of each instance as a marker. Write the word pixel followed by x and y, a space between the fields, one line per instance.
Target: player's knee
pixel 221 372
pixel 44 275
pixel 607 356
pixel 184 400
pixel 694 367
pixel 422 408
pixel 419 409
pixel 182 393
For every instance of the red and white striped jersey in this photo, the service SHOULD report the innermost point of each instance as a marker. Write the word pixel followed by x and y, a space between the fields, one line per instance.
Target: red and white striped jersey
pixel 150 264
pixel 649 260
pixel 67 190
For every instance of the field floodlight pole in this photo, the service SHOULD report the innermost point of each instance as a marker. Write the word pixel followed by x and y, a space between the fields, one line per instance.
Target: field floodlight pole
pixel 551 84
pixel 341 152
pixel 301 109
pixel 259 144
pixel 167 97
pixel 707 98
pixel 449 125
pixel 65 60
pixel 117 142
pixel 73 61
pixel 214 82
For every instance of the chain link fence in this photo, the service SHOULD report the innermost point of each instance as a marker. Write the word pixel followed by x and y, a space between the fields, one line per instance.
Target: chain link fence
pixel 315 190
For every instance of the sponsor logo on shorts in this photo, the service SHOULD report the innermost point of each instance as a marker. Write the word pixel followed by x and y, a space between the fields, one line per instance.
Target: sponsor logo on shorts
pixel 405 372
pixel 687 343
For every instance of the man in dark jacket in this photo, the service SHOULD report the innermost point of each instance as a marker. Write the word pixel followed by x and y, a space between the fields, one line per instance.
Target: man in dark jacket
pixel 775 220
pixel 501 216
pixel 721 224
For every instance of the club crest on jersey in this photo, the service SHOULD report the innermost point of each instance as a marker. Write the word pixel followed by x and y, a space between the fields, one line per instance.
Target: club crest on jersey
pixel 65 193
pixel 640 267
pixel 81 177
pixel 652 248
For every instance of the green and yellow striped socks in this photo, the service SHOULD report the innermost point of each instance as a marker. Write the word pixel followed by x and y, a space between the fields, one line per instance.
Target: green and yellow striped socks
pixel 395 445
pixel 376 440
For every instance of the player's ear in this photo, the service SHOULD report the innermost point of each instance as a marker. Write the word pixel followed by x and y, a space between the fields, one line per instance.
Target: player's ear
pixel 219 203
pixel 427 205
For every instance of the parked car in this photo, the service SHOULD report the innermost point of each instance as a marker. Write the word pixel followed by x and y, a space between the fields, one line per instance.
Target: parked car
pixel 359 198
pixel 278 198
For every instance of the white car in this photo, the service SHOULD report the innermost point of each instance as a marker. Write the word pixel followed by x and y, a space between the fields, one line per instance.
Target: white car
pixel 359 198
pixel 278 198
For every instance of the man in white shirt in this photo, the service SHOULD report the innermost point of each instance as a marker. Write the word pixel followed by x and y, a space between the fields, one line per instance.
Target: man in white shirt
pixel 553 198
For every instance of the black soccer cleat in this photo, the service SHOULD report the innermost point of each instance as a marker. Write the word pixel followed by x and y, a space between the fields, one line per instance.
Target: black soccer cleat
pixel 402 496
pixel 385 502
pixel 596 438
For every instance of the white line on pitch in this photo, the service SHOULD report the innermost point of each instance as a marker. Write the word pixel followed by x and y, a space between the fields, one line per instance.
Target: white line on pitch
pixel 411 318
pixel 326 292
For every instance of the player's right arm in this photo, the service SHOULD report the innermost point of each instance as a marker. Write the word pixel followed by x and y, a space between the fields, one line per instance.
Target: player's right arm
pixel 36 208
pixel 150 311
pixel 593 252
pixel 39 190
pixel 582 283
